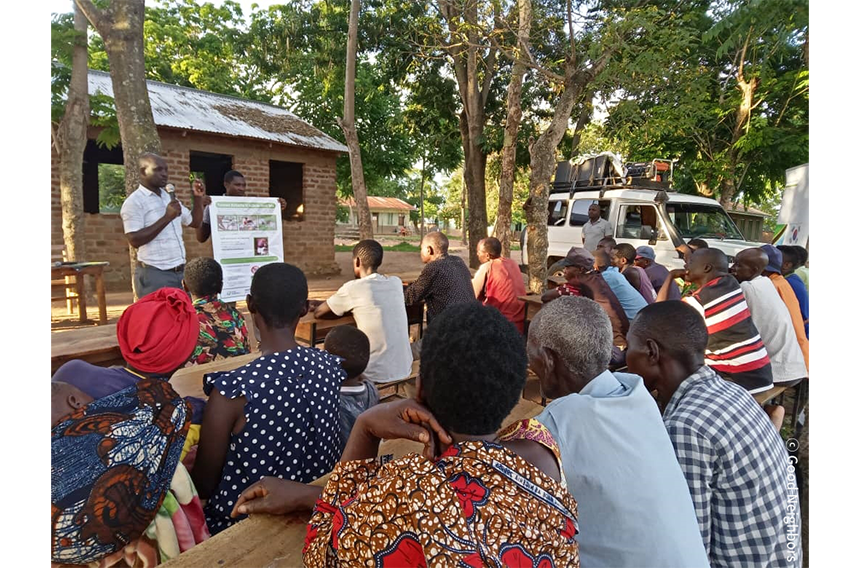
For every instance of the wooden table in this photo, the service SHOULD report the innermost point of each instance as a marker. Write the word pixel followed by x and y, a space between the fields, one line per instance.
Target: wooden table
pixel 97 345
pixel 78 270
pixel 312 330
pixel 533 305
pixel 272 541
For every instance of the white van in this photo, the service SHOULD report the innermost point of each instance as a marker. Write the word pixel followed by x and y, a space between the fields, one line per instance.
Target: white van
pixel 661 218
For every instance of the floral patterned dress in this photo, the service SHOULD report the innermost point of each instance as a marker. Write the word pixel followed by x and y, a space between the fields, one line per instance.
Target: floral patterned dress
pixel 478 504
pixel 223 332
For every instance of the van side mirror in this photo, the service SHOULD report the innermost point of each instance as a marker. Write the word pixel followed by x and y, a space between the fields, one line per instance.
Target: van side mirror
pixel 655 234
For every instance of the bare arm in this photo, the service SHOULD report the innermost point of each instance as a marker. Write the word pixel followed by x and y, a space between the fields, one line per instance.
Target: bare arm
pixel 203 232
pixel 550 295
pixel 221 418
pixel 632 277
pixel 663 293
pixel 323 311
pixel 199 193
pixel 479 281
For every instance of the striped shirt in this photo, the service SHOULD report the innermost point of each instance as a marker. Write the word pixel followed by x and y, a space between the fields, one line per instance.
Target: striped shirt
pixel 735 349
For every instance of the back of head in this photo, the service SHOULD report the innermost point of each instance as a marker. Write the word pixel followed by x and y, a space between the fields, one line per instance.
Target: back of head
pixel 492 246
pixel 676 327
pixel 579 331
pixel 715 257
pixel 157 333
pixel 203 276
pixel 601 259
pixel 607 241
pixel 352 345
pixel 438 241
pixel 473 368
pixel 369 252
pixel 280 292
pixel 229 176
pixel 626 251
pixel 697 244
pixel 802 254
pixel 789 255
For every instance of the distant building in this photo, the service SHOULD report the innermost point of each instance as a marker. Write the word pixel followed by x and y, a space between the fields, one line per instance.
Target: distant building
pixel 210 134
pixel 388 213
pixel 750 221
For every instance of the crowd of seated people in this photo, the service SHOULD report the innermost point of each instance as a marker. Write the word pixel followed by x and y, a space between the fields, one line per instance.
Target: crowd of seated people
pixel 619 469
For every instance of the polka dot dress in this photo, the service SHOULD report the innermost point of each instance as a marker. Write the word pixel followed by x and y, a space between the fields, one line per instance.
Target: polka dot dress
pixel 291 424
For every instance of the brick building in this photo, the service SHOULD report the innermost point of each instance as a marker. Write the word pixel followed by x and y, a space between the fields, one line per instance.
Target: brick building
pixel 388 213
pixel 209 134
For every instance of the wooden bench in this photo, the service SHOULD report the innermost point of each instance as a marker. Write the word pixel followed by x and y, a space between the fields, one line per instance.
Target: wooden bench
pixel 188 381
pixel 63 289
pixel 766 396
pixel 276 541
pixel 383 388
pixel 97 345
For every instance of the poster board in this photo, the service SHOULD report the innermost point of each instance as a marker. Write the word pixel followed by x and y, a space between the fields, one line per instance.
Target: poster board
pixel 794 212
pixel 246 234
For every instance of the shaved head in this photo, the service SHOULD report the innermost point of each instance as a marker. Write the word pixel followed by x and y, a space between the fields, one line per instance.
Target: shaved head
pixel 492 246
pixel 749 263
pixel 706 264
pixel 601 259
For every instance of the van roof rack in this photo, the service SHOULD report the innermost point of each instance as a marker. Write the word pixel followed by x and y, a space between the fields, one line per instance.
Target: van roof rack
pixel 607 171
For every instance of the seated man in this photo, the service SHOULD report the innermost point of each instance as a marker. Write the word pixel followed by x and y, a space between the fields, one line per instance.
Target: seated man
pixel 476 494
pixel 735 348
pixel 606 244
pixel 356 394
pixel 499 282
pixel 623 258
pixel 376 302
pixel 444 281
pixel 773 270
pixel 156 335
pixel 634 505
pixel 802 270
pixel 734 461
pixel 629 298
pixel 115 469
pixel 770 317
pixel 223 332
pixel 790 263
pixel 657 273
pixel 277 415
pixel 581 276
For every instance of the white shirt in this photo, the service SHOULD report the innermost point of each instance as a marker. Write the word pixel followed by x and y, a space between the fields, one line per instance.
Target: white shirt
pixel 773 320
pixel 144 208
pixel 593 232
pixel 634 504
pixel 376 302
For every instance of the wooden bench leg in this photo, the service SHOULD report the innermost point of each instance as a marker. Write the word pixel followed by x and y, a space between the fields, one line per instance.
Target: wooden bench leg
pixel 82 298
pixel 100 292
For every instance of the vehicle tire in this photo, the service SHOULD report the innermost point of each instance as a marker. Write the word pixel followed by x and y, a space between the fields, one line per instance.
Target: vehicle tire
pixel 556 269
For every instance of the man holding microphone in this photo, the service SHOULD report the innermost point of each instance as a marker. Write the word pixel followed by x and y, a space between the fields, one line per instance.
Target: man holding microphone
pixel 152 219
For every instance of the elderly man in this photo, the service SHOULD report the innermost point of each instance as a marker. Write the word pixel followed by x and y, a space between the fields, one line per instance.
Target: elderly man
pixel 735 348
pixel 499 282
pixel 152 220
pixel 770 317
pixel 634 505
pixel 736 465
pixel 595 228
pixel 646 259
pixel 445 279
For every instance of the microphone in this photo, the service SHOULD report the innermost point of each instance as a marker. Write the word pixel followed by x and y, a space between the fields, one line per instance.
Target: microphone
pixel 171 191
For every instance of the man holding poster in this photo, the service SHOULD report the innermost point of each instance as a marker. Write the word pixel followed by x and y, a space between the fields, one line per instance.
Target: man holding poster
pixel 234 185
pixel 246 234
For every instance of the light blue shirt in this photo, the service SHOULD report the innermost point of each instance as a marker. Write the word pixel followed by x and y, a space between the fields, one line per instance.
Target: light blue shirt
pixel 634 504
pixel 630 298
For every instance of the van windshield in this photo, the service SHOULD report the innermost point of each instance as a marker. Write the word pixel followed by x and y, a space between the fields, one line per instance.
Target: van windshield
pixel 700 220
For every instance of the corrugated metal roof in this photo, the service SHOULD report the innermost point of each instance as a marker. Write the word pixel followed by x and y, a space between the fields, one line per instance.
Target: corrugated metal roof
pixel 738 208
pixel 374 202
pixel 191 109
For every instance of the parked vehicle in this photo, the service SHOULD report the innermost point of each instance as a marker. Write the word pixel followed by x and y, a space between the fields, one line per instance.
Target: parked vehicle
pixel 639 202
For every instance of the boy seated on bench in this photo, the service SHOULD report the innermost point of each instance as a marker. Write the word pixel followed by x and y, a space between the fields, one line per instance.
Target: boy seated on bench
pixel 356 393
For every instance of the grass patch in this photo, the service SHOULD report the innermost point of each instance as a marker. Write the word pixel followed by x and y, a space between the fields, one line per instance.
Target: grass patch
pixel 399 247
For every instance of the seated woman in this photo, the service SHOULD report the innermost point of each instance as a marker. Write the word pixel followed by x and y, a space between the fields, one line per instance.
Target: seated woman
pixel 277 415
pixel 118 491
pixel 476 497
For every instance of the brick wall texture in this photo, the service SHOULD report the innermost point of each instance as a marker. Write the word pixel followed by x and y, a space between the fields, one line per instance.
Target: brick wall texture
pixel 308 244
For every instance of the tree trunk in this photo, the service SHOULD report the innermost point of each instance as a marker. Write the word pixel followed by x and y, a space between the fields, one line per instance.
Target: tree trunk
pixel 71 142
pixel 502 228
pixel 584 118
pixel 542 168
pixel 463 236
pixel 347 124
pixel 120 26
pixel 423 177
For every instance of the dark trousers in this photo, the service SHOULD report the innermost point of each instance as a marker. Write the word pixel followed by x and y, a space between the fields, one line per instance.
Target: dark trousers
pixel 148 279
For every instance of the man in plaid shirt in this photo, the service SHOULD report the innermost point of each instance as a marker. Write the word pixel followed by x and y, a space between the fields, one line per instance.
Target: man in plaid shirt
pixel 741 479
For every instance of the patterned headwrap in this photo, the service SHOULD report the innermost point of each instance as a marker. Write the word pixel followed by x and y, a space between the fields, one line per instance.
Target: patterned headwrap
pixel 111 465
pixel 157 334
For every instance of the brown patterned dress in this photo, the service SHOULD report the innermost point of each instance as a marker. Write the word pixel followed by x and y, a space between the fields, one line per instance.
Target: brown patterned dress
pixel 479 504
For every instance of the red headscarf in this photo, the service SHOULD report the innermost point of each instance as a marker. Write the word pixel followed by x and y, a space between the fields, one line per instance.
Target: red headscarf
pixel 157 334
